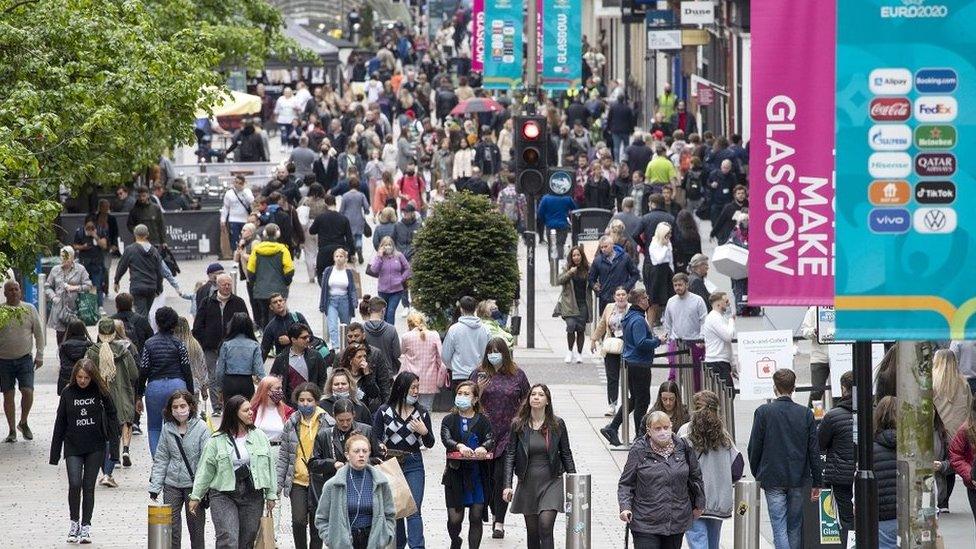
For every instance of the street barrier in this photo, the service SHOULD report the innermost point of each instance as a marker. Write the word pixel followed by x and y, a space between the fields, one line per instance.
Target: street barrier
pixel 554 253
pixel 746 514
pixel 624 406
pixel 343 328
pixel 234 278
pixel 578 511
pixel 686 369
pixel 160 526
pixel 42 299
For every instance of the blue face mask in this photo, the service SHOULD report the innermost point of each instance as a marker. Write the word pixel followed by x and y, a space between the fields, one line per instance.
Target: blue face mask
pixel 306 410
pixel 343 394
pixel 495 359
pixel 411 400
pixel 462 402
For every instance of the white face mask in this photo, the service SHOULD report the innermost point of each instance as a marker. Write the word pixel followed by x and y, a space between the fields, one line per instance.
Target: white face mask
pixel 182 415
pixel 662 436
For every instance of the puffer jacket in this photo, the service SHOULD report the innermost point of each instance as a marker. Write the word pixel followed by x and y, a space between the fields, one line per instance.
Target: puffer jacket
pixel 70 352
pixel 661 493
pixel 886 471
pixel 240 356
pixel 288 452
pixel 836 437
pixel 271 269
pixel 961 455
pixel 168 467
pixel 164 356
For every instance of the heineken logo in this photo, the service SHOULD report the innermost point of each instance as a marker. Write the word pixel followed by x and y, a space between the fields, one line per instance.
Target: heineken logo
pixel 935 137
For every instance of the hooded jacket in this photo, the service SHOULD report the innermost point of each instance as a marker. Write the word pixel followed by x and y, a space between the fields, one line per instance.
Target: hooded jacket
pixel 639 342
pixel 271 269
pixel 168 468
pixel 144 267
pixel 464 346
pixel 383 337
pixel 403 234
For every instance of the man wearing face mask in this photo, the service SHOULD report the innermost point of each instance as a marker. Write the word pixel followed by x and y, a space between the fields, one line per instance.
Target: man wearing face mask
pixel 300 364
pixel 718 331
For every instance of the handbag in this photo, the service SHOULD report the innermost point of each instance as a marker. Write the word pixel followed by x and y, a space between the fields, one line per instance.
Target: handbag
pixel 402 497
pixel 266 533
pixel 88 308
pixel 205 501
pixel 367 230
pixel 244 483
pixel 613 346
pixel 225 249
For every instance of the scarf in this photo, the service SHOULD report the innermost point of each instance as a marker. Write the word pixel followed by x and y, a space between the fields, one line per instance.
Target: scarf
pixel 663 451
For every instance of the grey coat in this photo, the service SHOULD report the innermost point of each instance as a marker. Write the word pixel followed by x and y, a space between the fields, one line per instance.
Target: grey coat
pixel 288 452
pixel 332 516
pixel 355 207
pixel 168 468
pixel 63 302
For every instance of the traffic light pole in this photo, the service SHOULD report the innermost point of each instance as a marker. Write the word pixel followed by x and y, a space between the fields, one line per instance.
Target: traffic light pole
pixel 865 484
pixel 531 88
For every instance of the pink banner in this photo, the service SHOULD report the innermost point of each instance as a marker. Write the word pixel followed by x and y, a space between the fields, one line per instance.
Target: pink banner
pixel 791 225
pixel 478 35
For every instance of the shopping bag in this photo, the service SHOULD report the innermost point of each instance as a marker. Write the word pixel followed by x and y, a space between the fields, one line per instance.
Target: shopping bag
pixel 402 498
pixel 226 252
pixel 206 412
pixel 265 539
pixel 88 308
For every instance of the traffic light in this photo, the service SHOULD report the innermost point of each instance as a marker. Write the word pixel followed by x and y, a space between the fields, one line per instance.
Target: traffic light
pixel 531 154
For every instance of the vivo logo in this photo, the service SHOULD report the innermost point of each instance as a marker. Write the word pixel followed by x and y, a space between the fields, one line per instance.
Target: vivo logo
pixel 896 137
pixel 889 220
pixel 937 108
pixel 890 81
pixel 886 165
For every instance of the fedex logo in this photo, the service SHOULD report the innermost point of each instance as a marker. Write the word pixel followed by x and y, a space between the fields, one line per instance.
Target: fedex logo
pixel 940 108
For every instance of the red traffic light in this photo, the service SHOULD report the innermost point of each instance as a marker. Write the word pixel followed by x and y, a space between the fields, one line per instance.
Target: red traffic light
pixel 531 130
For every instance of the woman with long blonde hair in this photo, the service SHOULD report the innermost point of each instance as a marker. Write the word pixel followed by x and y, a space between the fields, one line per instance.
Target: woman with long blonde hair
pixel 421 355
pixel 198 362
pixel 950 390
pixel 658 270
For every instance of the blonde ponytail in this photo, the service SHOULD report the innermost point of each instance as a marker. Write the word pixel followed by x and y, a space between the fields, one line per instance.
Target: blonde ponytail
pixel 106 362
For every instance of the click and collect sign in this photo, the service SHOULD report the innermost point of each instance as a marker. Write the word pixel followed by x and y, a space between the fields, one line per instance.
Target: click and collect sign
pixel 760 355
pixel 905 259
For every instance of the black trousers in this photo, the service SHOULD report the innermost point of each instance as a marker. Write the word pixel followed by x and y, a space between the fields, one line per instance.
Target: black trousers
pixel 499 507
pixel 844 500
pixel 303 509
pixel 611 363
pixel 639 400
pixel 82 474
pixel 655 541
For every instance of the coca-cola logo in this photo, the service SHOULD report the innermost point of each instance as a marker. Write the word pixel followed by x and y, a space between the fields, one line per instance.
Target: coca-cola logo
pixel 888 109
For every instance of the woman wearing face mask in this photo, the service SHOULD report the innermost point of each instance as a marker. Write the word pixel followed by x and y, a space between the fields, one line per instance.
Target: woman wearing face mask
pixel 421 354
pixel 294 469
pixel 539 454
pixel 491 318
pixel 660 491
pixel 503 387
pixel 356 510
pixel 237 471
pixel 609 333
pixel 341 386
pixel 669 402
pixel 393 270
pixel 271 413
pixel 174 467
pixel 404 424
pixel 466 483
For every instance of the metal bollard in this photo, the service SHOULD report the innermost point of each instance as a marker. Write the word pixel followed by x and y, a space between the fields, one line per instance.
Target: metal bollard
pixel 729 408
pixel 746 514
pixel 577 511
pixel 160 527
pixel 325 331
pixel 553 259
pixel 624 407
pixel 234 278
pixel 42 298
pixel 342 337
pixel 686 375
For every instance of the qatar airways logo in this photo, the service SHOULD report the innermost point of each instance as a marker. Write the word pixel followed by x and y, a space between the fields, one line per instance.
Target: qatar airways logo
pixel 914 9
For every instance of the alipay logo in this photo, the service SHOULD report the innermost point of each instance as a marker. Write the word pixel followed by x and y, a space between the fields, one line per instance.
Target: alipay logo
pixel 889 220
pixel 936 108
pixel 935 220
pixel 890 81
pixel 890 137
pixel 886 165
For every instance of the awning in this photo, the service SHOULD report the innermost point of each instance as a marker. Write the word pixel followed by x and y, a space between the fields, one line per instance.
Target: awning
pixel 309 40
pixel 236 103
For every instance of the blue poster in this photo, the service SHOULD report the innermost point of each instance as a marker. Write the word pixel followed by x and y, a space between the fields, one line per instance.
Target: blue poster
pixel 906 240
pixel 503 45
pixel 562 44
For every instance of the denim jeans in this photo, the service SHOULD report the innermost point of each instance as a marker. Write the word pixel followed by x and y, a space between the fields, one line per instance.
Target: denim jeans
pixel 392 302
pixel 157 392
pixel 888 534
pixel 411 530
pixel 338 313
pixel 236 518
pixel 704 534
pixel 108 466
pixel 785 506
pixel 619 144
pixel 285 130
pixel 234 232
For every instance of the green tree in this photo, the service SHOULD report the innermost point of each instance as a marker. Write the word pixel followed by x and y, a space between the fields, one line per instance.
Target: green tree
pixel 464 248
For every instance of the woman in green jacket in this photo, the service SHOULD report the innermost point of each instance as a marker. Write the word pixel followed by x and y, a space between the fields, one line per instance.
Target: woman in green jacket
pixel 237 470
pixel 575 303
pixel 356 510
pixel 117 367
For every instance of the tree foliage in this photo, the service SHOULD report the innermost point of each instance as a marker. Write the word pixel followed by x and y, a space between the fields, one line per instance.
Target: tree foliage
pixel 465 248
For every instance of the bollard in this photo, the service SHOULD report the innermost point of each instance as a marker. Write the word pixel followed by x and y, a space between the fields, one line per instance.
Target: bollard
pixel 577 511
pixel 342 337
pixel 325 332
pixel 729 393
pixel 553 259
pixel 160 527
pixel 686 375
pixel 624 407
pixel 746 514
pixel 234 277
pixel 42 298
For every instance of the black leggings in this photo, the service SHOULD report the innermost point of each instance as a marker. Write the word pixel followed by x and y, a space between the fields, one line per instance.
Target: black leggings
pixel 539 530
pixel 82 474
pixel 499 507
pixel 455 519
pixel 611 363
pixel 576 338
pixel 639 383
pixel 971 494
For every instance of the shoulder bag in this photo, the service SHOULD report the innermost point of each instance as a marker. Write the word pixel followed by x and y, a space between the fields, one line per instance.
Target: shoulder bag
pixel 244 482
pixel 205 501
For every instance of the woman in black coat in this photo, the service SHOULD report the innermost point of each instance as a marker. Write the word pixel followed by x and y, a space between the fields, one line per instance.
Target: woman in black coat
pixel 886 471
pixel 328 451
pixel 341 386
pixel 466 434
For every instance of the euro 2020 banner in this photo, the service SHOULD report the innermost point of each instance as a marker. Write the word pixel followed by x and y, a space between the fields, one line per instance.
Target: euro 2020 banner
pixel 906 252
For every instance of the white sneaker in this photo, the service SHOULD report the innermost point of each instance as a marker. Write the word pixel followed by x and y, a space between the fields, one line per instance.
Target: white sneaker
pixel 569 357
pixel 73 532
pixel 85 536
pixel 404 312
pixel 577 357
pixel 611 410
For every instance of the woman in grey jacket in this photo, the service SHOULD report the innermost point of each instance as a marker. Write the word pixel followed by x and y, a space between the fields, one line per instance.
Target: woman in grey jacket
pixel 356 510
pixel 66 281
pixel 721 466
pixel 181 444
pixel 239 363
pixel 660 491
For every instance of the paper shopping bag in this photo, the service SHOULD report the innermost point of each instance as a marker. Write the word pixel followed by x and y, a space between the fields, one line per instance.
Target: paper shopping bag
pixel 266 539
pixel 402 498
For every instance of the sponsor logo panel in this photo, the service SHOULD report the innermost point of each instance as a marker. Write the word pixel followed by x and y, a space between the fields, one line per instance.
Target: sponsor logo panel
pixel 936 80
pixel 888 165
pixel 935 192
pixel 890 137
pixel 890 81
pixel 889 220
pixel 935 137
pixel 936 108
pixel 935 164
pixel 889 193
pixel 890 109
pixel 935 220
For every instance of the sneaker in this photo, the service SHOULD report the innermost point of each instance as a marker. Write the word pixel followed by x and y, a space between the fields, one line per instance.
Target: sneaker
pixel 611 410
pixel 126 460
pixel 578 358
pixel 498 532
pixel 110 482
pixel 135 429
pixel 943 510
pixel 12 437
pixel 569 357
pixel 611 436
pixel 26 431
pixel 73 532
pixel 84 536
pixel 215 413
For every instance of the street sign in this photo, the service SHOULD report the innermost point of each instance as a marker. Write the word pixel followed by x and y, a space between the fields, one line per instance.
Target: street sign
pixel 560 180
pixel 664 40
pixel 760 355
pixel 697 13
pixel 659 19
pixel 706 95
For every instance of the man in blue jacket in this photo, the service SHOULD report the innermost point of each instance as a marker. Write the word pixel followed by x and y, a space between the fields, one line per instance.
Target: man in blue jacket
pixel 553 211
pixel 784 455
pixel 639 345
pixel 611 268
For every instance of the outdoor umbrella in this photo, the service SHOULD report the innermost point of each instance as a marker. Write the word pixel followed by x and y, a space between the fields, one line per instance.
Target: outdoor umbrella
pixel 234 103
pixel 476 105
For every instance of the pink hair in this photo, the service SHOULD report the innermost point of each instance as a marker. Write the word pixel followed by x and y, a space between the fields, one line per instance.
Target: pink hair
pixel 261 397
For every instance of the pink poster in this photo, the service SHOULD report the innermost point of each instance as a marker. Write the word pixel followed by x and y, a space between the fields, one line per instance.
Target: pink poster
pixel 791 162
pixel 478 35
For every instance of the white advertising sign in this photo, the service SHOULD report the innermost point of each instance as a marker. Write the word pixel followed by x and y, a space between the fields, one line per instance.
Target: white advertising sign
pixel 697 13
pixel 842 360
pixel 664 40
pixel 760 355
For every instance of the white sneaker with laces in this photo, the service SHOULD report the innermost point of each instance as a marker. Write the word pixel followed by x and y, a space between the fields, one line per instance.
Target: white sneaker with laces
pixel 85 535
pixel 73 532
pixel 577 357
pixel 569 357
pixel 611 411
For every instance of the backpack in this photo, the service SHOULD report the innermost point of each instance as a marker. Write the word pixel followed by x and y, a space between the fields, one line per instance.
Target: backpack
pixel 508 205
